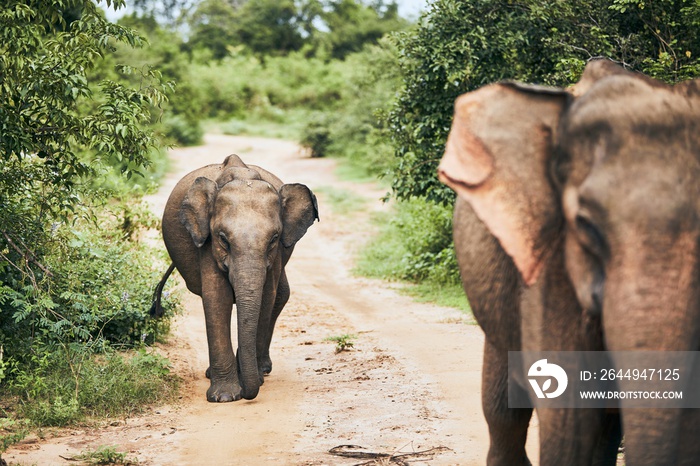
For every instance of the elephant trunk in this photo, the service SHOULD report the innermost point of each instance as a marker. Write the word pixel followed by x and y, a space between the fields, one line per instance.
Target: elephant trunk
pixel 651 304
pixel 248 283
pixel 651 436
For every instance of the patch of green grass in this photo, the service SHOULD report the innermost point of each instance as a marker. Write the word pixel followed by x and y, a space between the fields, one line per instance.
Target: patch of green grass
pixel 105 455
pixel 342 201
pixel 382 258
pixel 414 246
pixel 378 258
pixel 349 170
pixel 342 342
pixel 64 392
pixel 11 432
pixel 448 295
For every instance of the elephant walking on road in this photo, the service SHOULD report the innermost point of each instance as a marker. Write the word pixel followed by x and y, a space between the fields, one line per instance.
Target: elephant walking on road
pixel 577 227
pixel 230 229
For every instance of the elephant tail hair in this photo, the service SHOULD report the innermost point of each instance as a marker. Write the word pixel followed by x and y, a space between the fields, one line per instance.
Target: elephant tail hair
pixel 156 308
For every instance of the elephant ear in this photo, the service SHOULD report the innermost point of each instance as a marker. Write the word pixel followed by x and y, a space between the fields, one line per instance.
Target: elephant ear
pixel 299 210
pixel 195 209
pixel 497 158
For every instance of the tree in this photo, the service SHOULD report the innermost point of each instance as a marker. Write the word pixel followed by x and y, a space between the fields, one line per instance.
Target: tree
pixel 460 46
pixel 457 47
pixel 45 64
pixel 167 11
pixel 59 132
pixel 662 38
pixel 269 27
pixel 213 26
pixel 352 24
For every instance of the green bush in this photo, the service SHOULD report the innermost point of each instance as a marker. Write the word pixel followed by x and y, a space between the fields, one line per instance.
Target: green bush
pixel 75 282
pixel 414 244
pixel 357 124
pixel 64 391
pixel 316 137
pixel 85 290
pixel 240 84
pixel 95 289
pixel 110 283
pixel 181 131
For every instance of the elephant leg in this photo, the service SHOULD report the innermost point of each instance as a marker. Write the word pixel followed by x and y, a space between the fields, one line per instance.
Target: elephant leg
pixel 578 436
pixel 608 445
pixel 689 447
pixel 507 426
pixel 490 280
pixel 266 329
pixel 217 298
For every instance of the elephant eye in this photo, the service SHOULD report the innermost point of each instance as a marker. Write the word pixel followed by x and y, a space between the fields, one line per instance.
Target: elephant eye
pixel 274 240
pixel 224 242
pixel 591 237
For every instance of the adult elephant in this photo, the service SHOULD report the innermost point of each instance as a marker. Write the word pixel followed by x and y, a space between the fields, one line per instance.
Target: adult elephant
pixel 230 229
pixel 577 227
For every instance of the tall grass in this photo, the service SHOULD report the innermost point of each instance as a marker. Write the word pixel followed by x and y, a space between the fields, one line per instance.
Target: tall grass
pixel 341 201
pixel 415 244
pixel 59 393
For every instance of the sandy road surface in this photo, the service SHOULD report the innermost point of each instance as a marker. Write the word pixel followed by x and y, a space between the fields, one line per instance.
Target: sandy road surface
pixel 412 382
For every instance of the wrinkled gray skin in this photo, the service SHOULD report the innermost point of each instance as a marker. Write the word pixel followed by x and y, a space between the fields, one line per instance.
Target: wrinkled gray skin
pixel 230 230
pixel 577 227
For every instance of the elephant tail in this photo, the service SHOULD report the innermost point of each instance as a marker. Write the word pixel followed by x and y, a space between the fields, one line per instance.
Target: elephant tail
pixel 156 308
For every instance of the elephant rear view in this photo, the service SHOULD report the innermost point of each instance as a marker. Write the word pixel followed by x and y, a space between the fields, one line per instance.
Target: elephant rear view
pixel 230 229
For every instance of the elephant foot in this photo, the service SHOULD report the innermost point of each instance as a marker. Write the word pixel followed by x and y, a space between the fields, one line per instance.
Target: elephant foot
pixel 265 366
pixel 223 392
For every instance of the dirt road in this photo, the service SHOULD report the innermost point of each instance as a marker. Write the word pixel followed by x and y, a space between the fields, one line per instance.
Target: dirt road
pixel 411 383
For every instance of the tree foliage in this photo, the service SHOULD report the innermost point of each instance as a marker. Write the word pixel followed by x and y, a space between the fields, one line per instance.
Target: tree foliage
pixel 335 28
pixel 44 64
pixel 67 123
pixel 178 122
pixel 269 26
pixel 352 24
pixel 167 11
pixel 213 27
pixel 460 46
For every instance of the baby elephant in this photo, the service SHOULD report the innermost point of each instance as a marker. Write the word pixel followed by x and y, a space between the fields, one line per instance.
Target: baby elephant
pixel 230 229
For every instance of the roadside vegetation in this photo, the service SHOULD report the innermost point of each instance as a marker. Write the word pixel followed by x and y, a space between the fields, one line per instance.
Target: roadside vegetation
pixel 79 148
pixel 342 201
pixel 105 455
pixel 87 107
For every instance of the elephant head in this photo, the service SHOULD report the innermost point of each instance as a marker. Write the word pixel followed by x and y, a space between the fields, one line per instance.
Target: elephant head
pixel 251 226
pixel 606 174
